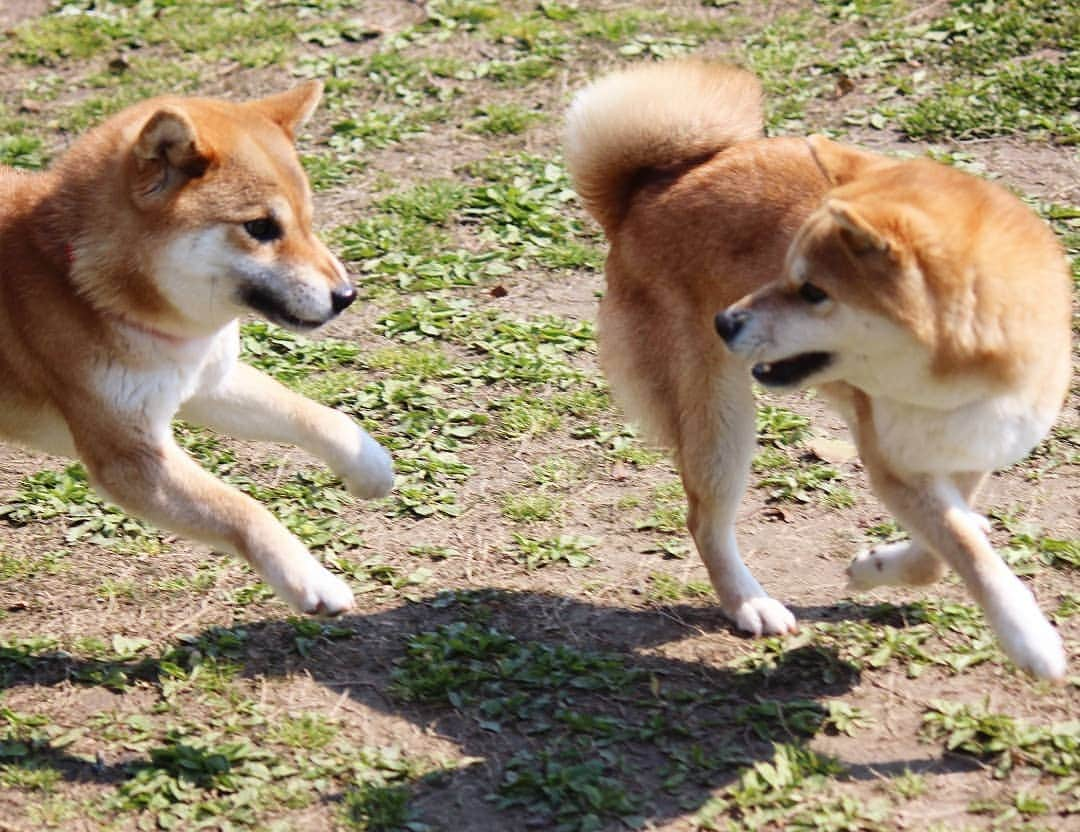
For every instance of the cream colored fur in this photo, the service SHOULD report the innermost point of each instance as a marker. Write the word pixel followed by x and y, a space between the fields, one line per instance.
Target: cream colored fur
pixel 123 271
pixel 931 308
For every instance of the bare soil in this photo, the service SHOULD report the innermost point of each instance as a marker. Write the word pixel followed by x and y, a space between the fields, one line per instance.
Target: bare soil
pixel 797 551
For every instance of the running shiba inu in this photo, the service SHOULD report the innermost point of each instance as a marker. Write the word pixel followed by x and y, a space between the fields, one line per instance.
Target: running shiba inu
pixel 930 307
pixel 122 272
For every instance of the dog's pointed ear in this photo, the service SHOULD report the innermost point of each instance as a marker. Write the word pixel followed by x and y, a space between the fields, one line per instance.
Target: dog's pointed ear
pixel 292 108
pixel 857 232
pixel 167 154
pixel 839 163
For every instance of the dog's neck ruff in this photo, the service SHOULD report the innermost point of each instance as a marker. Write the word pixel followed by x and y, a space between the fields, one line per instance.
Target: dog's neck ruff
pixel 129 323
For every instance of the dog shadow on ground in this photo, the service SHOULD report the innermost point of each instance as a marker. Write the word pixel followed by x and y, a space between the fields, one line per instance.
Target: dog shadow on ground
pixel 567 712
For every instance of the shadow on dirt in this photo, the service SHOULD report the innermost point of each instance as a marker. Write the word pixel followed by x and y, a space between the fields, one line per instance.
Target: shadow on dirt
pixel 565 716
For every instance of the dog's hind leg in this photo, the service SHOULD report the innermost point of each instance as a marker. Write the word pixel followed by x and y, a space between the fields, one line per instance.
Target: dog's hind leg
pixel 908 562
pixel 671 375
pixel 250 405
pixel 715 446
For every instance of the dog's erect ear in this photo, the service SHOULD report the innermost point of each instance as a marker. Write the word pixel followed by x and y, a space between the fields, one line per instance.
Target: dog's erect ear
pixel 856 231
pixel 840 164
pixel 290 109
pixel 167 154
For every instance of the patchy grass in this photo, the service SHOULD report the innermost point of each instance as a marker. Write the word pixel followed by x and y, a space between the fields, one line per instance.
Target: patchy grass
pixel 536 644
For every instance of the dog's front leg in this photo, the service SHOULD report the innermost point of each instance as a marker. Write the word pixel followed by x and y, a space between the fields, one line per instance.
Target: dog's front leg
pixel 935 509
pixel 250 405
pixel 905 562
pixel 156 480
pixel 908 562
pixel 938 516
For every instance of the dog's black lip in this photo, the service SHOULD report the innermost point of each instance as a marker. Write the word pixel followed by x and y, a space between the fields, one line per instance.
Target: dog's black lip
pixel 791 370
pixel 270 307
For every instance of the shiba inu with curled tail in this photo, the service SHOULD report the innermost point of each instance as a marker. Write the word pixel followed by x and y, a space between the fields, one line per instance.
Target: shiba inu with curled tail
pixel 930 307
pixel 122 272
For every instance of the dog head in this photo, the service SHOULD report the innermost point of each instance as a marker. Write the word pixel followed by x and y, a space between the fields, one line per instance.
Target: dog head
pixel 870 282
pixel 209 215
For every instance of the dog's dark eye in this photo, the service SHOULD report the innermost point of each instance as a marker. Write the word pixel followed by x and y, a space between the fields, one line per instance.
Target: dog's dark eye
pixel 265 229
pixel 812 294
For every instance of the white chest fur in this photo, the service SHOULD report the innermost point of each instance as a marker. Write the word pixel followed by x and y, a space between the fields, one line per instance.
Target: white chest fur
pixel 145 390
pixel 983 435
pixel 152 389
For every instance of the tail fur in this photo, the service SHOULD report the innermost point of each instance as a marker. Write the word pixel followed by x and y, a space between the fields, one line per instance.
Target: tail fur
pixel 652 117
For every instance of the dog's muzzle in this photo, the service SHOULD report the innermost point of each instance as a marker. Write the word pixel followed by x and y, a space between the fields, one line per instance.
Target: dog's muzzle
pixel 791 371
pixel 275 310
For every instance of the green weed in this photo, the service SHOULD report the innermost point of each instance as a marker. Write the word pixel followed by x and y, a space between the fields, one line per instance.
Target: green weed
pixel 504 119
pixel 1002 740
pixel 798 485
pixel 666 589
pixel 576 791
pixel 67 496
pixel 779 426
pixel 534 553
pixel 374 807
pixel 529 507
pixel 22 151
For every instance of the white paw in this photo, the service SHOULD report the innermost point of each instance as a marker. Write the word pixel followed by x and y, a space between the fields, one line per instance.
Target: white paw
pixel 1038 651
pixel 317 592
pixel 764 616
pixel 370 473
pixel 1025 635
pixel 878 566
pixel 905 563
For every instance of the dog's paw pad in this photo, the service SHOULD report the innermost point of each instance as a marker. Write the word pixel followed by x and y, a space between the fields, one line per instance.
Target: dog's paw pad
pixel 764 616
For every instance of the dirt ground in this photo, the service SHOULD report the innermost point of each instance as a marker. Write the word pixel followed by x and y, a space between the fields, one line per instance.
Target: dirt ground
pixel 635 705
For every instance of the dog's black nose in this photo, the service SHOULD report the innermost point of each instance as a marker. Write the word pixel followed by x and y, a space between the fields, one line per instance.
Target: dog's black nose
pixel 341 298
pixel 728 324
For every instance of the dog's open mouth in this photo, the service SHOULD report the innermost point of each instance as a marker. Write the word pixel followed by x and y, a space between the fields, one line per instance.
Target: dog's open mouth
pixel 271 308
pixel 791 370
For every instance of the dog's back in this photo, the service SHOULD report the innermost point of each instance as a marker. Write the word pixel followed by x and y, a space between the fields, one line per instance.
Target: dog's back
pixel 673 154
pixel 698 209
pixel 30 290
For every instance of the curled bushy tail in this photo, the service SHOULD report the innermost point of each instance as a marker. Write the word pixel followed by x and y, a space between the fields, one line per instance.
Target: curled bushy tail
pixel 654 116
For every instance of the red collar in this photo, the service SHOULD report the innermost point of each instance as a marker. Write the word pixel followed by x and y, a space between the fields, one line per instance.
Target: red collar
pixel 160 335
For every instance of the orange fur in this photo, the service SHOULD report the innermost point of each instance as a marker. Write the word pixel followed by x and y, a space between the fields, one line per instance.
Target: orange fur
pixel 122 271
pixel 931 307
